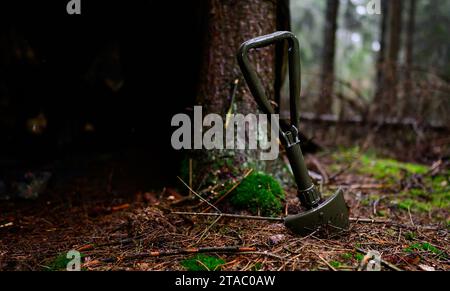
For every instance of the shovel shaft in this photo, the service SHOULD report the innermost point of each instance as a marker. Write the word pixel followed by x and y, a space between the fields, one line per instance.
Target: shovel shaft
pixel 307 192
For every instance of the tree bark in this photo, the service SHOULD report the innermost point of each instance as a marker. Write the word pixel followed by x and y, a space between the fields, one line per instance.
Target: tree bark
pixel 395 27
pixel 329 52
pixel 382 53
pixel 281 58
pixel 408 87
pixel 230 23
pixel 387 93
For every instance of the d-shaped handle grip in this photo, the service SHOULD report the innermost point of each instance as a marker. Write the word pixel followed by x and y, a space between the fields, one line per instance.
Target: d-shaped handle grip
pixel 253 81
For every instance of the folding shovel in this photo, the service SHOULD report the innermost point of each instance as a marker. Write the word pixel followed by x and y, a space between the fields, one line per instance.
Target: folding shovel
pixel 331 215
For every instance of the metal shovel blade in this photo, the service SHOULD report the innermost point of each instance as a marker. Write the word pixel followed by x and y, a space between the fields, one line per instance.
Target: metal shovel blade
pixel 330 216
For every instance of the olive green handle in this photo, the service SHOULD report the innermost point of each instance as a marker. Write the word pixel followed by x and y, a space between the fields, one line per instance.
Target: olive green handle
pixel 307 192
pixel 254 83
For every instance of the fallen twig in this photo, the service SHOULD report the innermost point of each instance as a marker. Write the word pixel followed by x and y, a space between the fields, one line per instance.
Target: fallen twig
pixel 199 196
pixel 263 254
pixel 364 187
pixel 369 220
pixel 232 216
pixel 221 198
pixel 392 223
pixel 321 169
pixel 235 249
pixel 328 264
pixel 120 207
pixel 208 228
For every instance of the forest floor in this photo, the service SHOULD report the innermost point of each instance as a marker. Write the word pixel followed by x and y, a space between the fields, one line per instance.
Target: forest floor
pixel 399 209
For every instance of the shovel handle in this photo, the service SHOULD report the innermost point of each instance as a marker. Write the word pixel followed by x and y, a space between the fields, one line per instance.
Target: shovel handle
pixel 254 82
pixel 307 192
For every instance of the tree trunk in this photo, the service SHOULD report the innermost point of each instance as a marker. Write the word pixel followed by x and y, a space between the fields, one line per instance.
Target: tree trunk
pixel 395 27
pixel 387 92
pixel 382 53
pixel 329 52
pixel 281 59
pixel 408 87
pixel 230 23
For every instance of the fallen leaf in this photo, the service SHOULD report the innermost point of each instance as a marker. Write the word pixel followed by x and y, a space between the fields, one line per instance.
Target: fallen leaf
pixel 120 207
pixel 91 263
pixel 427 268
pixel 85 248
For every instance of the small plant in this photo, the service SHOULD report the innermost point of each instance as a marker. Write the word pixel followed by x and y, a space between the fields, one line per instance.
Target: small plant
pixel 202 262
pixel 261 192
pixel 257 267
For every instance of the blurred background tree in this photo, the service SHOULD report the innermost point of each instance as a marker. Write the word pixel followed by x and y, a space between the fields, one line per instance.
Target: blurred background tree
pixel 394 65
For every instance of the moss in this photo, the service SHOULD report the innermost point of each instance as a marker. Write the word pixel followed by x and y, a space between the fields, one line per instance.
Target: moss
pixel 388 169
pixel 347 256
pixel 261 192
pixel 425 247
pixel 359 257
pixel 434 195
pixel 202 262
pixel 257 267
pixel 60 262
pixel 335 264
pixel 380 168
pixel 382 213
pixel 414 205
pixel 346 155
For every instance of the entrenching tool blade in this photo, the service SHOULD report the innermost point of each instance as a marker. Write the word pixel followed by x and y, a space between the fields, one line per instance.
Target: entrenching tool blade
pixel 330 216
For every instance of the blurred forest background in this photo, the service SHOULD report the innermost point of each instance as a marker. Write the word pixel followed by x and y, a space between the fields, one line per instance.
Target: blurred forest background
pixel 391 70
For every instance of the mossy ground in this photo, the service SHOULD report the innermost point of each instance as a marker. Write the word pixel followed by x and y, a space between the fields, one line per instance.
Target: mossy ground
pixel 32 237
pixel 424 193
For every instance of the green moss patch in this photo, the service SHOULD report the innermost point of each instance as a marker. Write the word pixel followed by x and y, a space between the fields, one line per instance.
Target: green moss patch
pixel 425 247
pixel 60 262
pixel 368 163
pixel 259 192
pixel 388 169
pixel 432 193
pixel 202 262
